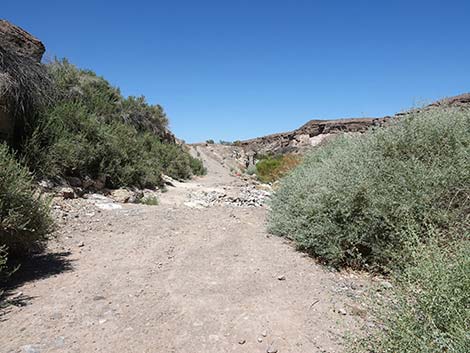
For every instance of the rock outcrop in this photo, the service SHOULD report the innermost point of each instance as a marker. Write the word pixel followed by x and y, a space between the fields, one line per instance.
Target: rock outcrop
pixel 308 135
pixel 20 41
pixel 316 131
pixel 462 100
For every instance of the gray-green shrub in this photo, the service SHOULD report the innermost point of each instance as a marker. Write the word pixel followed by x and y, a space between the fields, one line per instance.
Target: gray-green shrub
pixel 251 170
pixel 369 200
pixel 150 201
pixel 24 216
pixel 430 311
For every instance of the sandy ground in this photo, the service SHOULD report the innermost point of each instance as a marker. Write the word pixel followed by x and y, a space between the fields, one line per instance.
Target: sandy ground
pixel 172 278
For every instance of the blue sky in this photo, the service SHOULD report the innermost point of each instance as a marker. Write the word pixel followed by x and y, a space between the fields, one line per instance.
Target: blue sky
pixel 244 68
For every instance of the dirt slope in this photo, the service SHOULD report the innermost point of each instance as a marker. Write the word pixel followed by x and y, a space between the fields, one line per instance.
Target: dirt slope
pixel 174 278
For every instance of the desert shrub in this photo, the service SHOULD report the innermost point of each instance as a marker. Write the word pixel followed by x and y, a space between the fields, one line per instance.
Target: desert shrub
pixel 251 170
pixel 24 216
pixel 368 201
pixel 83 86
pixel 145 117
pixel 150 201
pixel 197 167
pixel 70 141
pixel 210 141
pixel 430 309
pixel 92 131
pixel 103 100
pixel 272 168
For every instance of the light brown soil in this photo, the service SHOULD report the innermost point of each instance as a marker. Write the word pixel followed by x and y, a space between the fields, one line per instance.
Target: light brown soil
pixel 171 278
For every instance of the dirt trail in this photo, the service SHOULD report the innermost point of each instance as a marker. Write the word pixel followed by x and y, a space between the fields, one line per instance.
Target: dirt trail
pixel 174 278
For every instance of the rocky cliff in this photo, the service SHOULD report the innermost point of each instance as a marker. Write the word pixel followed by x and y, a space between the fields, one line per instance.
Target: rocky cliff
pixel 20 41
pixel 310 134
pixel 316 131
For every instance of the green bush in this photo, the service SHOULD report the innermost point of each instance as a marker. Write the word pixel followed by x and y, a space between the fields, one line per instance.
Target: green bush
pixel 272 168
pixel 430 311
pixel 368 201
pixel 266 166
pixel 24 216
pixel 251 170
pixel 150 201
pixel 92 131
pixel 85 87
pixel 71 142
pixel 197 166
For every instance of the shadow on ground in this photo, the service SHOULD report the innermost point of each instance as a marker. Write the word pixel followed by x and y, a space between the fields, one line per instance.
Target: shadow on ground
pixel 35 268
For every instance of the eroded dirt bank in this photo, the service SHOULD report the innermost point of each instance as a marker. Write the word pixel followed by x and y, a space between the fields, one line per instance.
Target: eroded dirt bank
pixel 182 276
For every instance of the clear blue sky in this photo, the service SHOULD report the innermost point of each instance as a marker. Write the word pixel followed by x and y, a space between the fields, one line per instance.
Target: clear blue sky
pixel 237 69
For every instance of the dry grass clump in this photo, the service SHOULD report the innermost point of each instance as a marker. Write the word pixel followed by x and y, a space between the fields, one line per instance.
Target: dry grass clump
pixel 25 88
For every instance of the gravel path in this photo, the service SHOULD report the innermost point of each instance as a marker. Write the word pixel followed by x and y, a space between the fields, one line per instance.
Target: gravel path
pixel 178 278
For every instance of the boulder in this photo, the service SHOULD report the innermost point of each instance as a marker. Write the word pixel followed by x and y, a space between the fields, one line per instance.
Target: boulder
pixel 168 180
pixel 67 193
pixel 20 41
pixel 87 183
pixel 128 196
pixel 74 182
pixel 100 183
pixel 121 195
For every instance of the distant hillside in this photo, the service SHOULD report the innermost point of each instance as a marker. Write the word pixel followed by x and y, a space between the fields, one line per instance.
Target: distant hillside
pixel 315 131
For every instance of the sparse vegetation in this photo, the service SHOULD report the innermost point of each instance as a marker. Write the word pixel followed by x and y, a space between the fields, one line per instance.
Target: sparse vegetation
pixel 197 167
pixel 251 170
pixel 393 201
pixel 150 201
pixel 272 168
pixel 430 310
